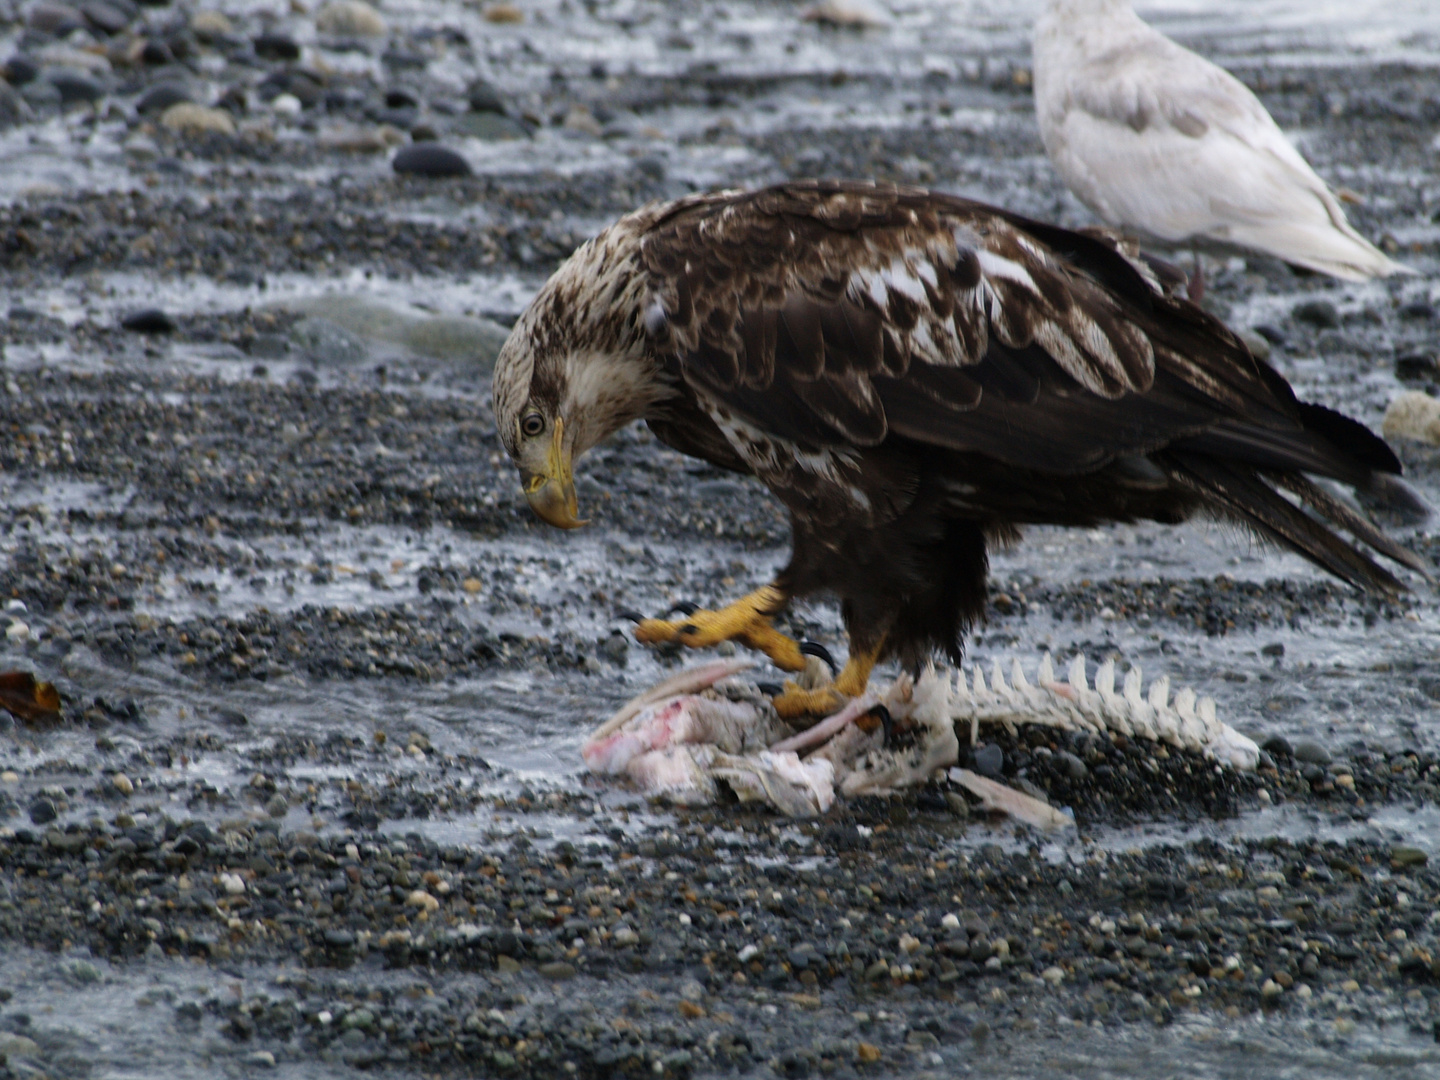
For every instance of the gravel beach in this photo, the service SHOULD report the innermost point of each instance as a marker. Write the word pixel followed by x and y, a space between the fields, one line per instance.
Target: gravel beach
pixel 313 802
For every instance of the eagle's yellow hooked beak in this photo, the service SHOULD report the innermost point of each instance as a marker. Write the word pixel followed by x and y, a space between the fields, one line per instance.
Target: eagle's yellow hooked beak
pixel 552 492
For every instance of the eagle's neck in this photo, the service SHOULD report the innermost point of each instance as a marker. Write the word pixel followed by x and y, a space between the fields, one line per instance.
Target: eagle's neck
pixel 609 375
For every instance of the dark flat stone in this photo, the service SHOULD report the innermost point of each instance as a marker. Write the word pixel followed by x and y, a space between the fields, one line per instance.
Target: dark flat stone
pixel 430 159
pixel 148 321
pixel 161 96
pixel 276 47
pixel 74 87
pixel 104 16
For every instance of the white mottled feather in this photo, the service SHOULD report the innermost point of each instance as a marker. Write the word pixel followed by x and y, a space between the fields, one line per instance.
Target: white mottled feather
pixel 1158 140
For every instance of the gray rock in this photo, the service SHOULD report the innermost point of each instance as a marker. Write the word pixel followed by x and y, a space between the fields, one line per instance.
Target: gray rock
pixel 1279 746
pixel 82 972
pixel 55 18
pixel 161 96
pixel 1311 753
pixel 1071 765
pixel 1318 313
pixel 13 109
pixel 19 70
pixel 1258 345
pixel 75 87
pixel 42 811
pixel 327 344
pixel 439 337
pixel 989 760
pixel 13 1046
pixel 105 17
pixel 41 94
pixel 489 126
pixel 485 98
pixel 430 160
pixel 269 347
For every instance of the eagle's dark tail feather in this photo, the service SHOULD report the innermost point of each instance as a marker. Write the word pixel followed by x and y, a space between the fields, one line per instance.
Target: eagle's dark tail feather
pixel 1240 491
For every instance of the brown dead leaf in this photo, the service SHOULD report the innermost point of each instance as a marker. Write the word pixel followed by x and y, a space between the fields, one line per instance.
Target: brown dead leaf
pixel 34 702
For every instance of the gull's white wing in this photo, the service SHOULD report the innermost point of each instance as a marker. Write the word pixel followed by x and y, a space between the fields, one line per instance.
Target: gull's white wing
pixel 1157 139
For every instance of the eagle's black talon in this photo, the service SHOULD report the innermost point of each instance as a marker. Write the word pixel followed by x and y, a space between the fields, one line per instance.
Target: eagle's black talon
pixel 814 648
pixel 770 689
pixel 684 607
pixel 632 615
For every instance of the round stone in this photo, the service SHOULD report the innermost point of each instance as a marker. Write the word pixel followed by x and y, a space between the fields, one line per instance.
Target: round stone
pixel 430 160
pixel 989 760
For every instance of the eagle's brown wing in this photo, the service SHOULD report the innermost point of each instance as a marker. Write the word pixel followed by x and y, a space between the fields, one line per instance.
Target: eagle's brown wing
pixel 815 321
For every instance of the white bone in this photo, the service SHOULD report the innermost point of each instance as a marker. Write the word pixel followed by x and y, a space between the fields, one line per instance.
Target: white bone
pixel 1105 680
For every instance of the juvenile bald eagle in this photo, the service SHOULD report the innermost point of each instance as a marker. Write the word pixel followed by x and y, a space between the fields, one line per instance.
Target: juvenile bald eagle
pixel 914 376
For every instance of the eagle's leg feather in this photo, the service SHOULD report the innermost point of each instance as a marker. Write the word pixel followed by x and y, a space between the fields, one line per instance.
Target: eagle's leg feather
pixel 747 621
pixel 850 683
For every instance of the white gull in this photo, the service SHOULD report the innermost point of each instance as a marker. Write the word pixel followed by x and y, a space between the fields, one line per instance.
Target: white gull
pixel 1160 141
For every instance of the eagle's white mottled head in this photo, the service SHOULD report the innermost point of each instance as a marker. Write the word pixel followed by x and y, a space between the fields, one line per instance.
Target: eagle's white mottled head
pixel 576 367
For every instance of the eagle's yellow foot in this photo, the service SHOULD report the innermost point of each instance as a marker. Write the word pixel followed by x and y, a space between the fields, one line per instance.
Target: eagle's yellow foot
pixel 795 702
pixel 746 621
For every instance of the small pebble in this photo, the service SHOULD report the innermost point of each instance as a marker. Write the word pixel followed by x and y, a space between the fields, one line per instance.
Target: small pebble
pixel 122 783
pixel 233 884
pixel 350 18
pixel 276 47
pixel 161 96
pixel 1318 313
pixel 423 900
pixel 431 160
pixel 42 812
pixel 75 88
pixel 187 118
pixel 208 25
pixel 1278 746
pixel 1310 752
pixel 149 320
pixel 989 760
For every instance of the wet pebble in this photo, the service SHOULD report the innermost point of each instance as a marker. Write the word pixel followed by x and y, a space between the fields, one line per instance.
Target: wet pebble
pixel 163 95
pixel 19 70
pixel 210 25
pixel 275 46
pixel 42 811
pixel 484 97
pixel 1417 367
pixel 1310 752
pixel 1073 767
pixel 350 18
pixel 57 19
pixel 1278 745
pixel 191 119
pixel 490 127
pixel 1322 314
pixel 13 109
pixel 430 160
pixel 989 760
pixel 75 88
pixel 149 321
pixel 106 17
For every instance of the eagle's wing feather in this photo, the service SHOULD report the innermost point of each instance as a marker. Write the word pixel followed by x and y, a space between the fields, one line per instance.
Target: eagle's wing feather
pixel 839 313
pixel 820 325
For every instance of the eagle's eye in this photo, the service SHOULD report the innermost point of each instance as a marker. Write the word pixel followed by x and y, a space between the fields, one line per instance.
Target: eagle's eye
pixel 532 425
